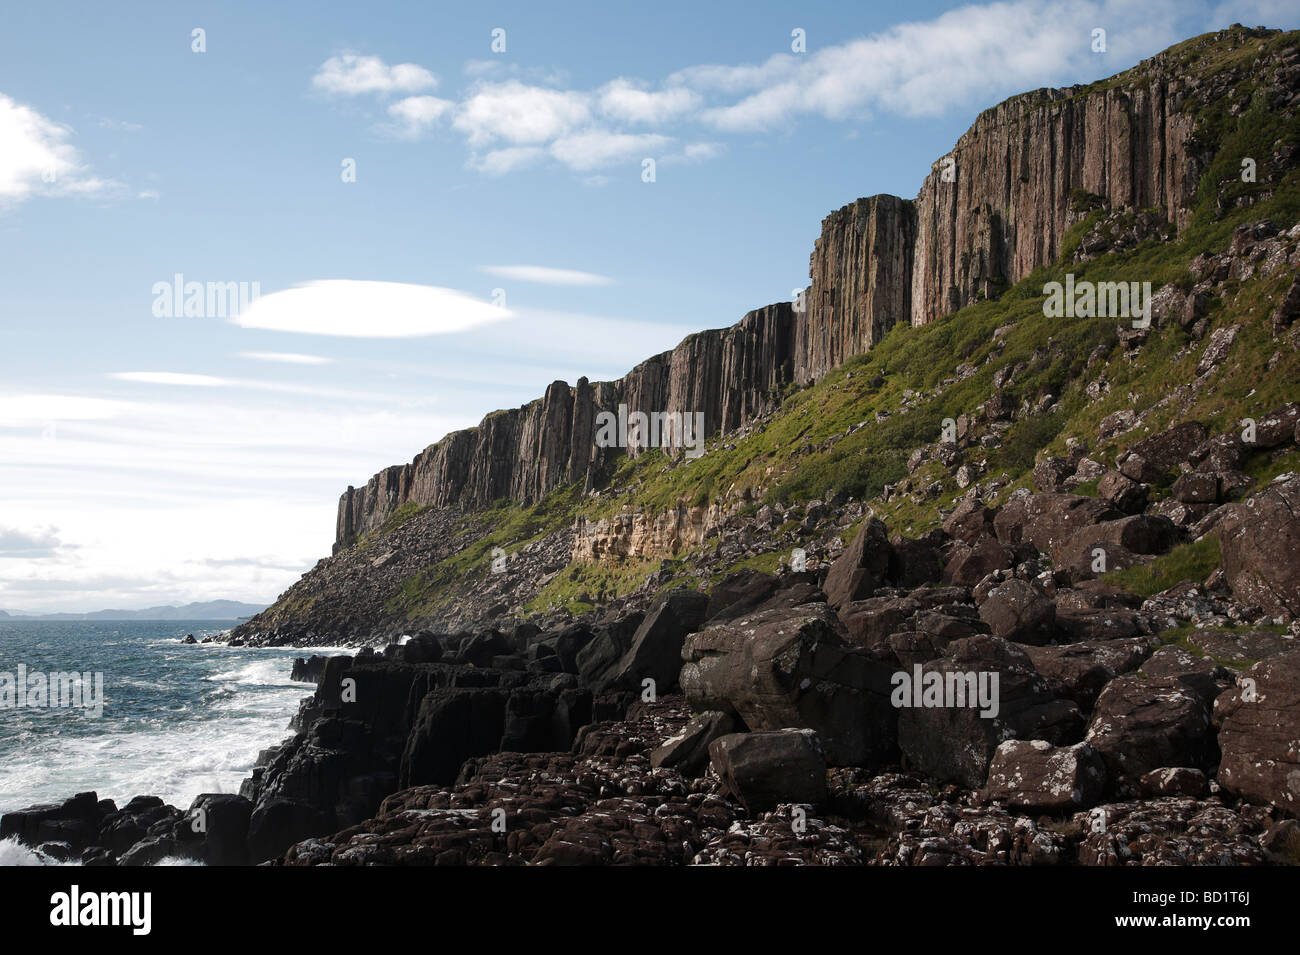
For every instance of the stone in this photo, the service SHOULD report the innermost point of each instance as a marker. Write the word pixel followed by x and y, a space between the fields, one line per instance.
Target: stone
pixel 1151 460
pixel 956 743
pixel 1019 610
pixel 687 751
pixel 1174 781
pixel 1197 487
pixel 1259 724
pixel 1141 724
pixel 766 769
pixel 862 568
pixel 1259 539
pixel 1079 671
pixel 1034 775
pixel 1127 495
pixel 791 668
pixel 656 649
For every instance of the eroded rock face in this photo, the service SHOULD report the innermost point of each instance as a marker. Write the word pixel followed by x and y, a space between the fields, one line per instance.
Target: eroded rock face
pixel 1259 733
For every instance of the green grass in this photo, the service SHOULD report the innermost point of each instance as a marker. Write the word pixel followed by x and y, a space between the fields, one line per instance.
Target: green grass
pixel 1193 561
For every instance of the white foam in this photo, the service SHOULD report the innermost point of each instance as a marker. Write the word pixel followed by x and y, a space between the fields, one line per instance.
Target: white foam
pixel 14 853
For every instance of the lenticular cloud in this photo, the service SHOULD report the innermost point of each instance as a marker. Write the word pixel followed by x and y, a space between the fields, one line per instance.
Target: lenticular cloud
pixel 360 309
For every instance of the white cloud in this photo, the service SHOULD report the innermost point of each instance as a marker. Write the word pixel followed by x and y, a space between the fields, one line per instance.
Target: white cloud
pixel 698 152
pixel 516 113
pixel 498 162
pixel 351 75
pixel 595 148
pixel 625 101
pixel 171 378
pixel 287 358
pixel 363 309
pixel 414 115
pixel 35 410
pixel 965 56
pixel 36 157
pixel 545 275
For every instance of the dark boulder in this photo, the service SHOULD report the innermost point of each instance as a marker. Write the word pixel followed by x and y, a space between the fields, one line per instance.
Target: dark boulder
pixel 791 668
pixel 765 769
pixel 1034 775
pixel 1152 460
pixel 1259 724
pixel 1140 724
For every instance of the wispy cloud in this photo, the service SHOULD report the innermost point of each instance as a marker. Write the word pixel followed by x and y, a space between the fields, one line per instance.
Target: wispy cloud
pixel 171 378
pixel 37 158
pixel 287 358
pixel 544 275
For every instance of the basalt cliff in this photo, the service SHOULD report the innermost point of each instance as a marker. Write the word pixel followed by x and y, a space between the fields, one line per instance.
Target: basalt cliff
pixel 999 206
pixel 993 210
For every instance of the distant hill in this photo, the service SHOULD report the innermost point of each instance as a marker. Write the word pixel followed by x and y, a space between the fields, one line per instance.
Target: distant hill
pixel 207 610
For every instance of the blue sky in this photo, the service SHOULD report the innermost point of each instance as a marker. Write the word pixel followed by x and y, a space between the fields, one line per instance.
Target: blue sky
pixel 498 235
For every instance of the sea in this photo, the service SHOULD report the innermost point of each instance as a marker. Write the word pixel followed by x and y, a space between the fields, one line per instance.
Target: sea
pixel 177 720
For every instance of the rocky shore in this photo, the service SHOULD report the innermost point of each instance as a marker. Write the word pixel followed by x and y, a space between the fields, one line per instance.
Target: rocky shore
pixel 763 723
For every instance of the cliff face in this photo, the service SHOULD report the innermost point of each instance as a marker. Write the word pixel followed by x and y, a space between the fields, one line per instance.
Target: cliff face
pixel 730 375
pixel 1007 206
pixel 861 270
pixel 997 207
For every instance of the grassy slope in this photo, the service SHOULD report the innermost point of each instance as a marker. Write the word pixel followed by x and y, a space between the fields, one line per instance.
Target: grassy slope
pixel 772 463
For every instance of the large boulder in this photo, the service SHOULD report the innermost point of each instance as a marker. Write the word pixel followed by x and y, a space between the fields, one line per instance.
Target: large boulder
pixel 1259 733
pixel 954 739
pixel 1113 545
pixel 1080 671
pixel 870 622
pixel 790 667
pixel 220 822
pixel 1048 520
pixel 1019 610
pixel 1153 460
pixel 1037 776
pixel 862 568
pixel 970 521
pixel 277 824
pixel 1276 428
pixel 1126 494
pixel 967 564
pixel 1260 541
pixel 1141 724
pixel 766 769
pixel 656 648
pixel 739 592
